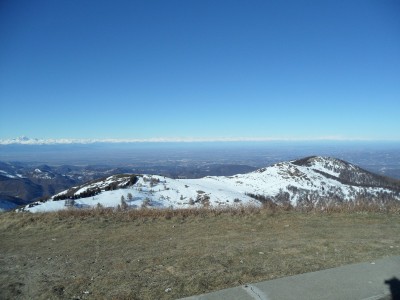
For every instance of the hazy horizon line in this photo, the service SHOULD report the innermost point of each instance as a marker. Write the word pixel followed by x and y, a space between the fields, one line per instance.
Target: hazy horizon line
pixel 40 141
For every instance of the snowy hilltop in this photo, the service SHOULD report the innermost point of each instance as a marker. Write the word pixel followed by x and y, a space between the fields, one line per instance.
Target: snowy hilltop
pixel 312 180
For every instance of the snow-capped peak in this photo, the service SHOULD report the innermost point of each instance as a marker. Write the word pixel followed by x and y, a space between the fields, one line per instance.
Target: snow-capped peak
pixel 311 180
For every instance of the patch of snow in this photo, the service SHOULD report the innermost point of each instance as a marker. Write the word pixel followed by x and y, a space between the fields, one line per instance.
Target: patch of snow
pixel 6 174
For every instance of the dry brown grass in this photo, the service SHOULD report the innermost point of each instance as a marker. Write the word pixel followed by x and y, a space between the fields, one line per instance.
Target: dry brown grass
pixel 138 254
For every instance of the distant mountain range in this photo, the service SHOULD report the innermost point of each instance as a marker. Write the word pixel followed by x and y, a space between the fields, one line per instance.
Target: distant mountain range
pixel 309 181
pixel 24 140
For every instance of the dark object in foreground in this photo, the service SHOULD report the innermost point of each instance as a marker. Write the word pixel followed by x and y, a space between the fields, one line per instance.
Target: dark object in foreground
pixel 394 285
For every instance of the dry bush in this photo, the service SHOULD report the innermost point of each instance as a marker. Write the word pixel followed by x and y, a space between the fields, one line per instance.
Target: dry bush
pixel 150 213
pixel 139 253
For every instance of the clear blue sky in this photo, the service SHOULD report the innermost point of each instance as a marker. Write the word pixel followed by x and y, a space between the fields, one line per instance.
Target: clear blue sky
pixel 143 69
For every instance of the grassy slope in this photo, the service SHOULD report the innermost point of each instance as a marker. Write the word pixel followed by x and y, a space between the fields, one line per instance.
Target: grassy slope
pixel 131 256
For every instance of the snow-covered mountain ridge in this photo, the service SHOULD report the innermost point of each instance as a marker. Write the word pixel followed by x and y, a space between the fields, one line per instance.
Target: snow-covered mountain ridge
pixel 311 180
